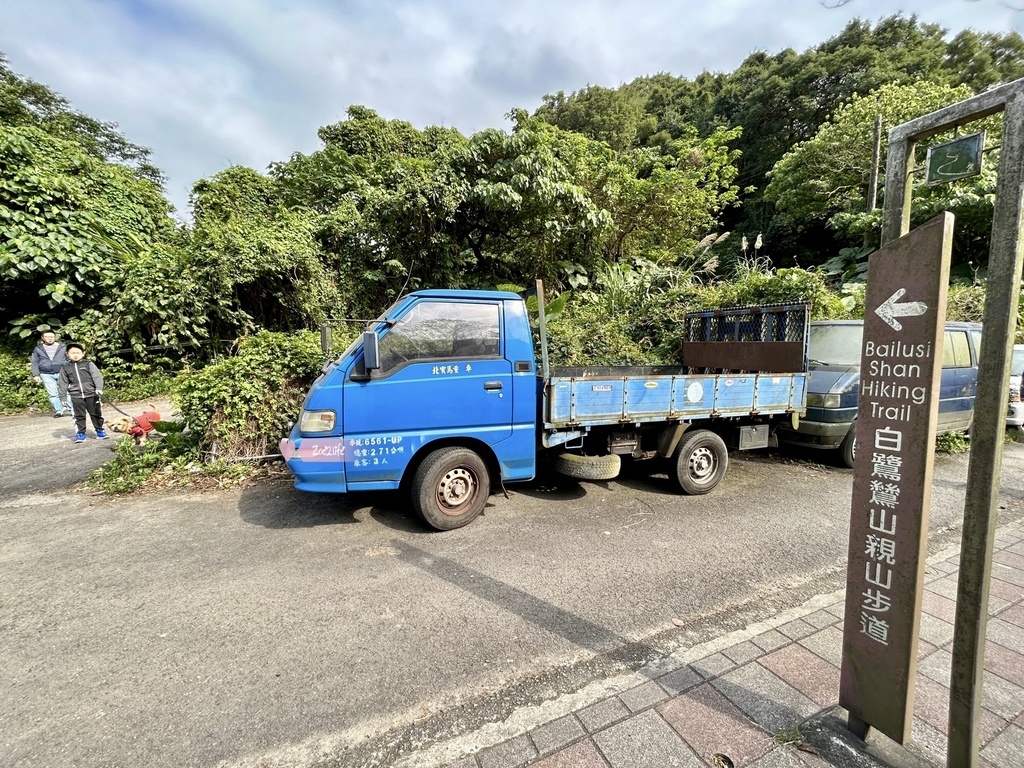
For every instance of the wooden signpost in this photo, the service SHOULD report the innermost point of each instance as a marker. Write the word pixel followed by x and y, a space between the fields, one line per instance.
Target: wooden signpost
pixel 901 365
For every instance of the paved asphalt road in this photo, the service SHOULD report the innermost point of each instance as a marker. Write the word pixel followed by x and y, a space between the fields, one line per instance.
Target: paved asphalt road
pixel 266 627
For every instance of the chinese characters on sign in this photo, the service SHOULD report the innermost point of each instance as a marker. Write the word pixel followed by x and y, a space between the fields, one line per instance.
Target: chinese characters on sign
pixel 880 541
pixel 896 415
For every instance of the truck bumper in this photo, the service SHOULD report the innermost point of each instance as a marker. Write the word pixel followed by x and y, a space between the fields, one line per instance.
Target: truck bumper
pixel 318 463
pixel 815 434
pixel 1015 415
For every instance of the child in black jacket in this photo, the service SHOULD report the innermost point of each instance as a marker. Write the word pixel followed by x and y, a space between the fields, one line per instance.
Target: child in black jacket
pixel 83 381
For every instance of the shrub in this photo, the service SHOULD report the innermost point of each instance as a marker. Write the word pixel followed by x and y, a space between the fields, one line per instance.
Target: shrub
pixel 175 455
pixel 952 442
pixel 965 302
pixel 240 406
pixel 232 410
pixel 635 316
pixel 18 392
pixel 585 334
pixel 781 287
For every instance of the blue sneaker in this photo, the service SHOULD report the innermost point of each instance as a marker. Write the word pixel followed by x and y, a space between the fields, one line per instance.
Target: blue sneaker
pixel 101 435
pixel 80 437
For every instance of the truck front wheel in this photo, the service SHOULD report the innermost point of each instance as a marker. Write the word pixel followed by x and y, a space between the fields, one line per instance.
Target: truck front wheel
pixel 450 488
pixel 701 462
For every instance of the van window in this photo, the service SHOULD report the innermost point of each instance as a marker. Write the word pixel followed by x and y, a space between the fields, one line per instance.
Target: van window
pixel 1017 364
pixel 976 338
pixel 961 350
pixel 835 344
pixel 948 361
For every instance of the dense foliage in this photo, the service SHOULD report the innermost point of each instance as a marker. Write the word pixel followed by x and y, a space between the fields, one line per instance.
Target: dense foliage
pixel 242 404
pixel 595 180
pixel 234 409
pixel 621 199
pixel 783 99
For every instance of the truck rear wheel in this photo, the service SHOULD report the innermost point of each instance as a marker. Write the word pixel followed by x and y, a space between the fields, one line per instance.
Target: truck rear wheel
pixel 588 467
pixel 701 462
pixel 450 488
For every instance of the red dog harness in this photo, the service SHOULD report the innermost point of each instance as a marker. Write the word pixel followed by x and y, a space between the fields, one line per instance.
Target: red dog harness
pixel 143 423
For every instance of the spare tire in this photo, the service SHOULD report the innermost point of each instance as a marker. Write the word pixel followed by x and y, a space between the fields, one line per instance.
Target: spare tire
pixel 588 467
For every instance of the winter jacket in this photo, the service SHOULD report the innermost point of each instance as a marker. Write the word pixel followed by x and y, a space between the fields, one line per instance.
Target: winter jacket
pixel 82 379
pixel 41 362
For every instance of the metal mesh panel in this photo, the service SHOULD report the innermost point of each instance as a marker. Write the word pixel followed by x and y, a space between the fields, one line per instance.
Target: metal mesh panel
pixel 746 339
pixel 773 322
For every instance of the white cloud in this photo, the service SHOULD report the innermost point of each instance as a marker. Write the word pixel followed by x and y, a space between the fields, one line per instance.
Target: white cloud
pixel 207 84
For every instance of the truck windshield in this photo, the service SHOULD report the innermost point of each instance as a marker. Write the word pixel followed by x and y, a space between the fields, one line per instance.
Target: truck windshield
pixel 835 344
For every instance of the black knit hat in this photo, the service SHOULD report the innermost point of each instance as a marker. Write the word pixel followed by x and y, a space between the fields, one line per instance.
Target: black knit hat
pixel 73 345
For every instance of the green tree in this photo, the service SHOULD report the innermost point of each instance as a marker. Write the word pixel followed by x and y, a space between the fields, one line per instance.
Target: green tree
pixel 616 117
pixel 26 103
pixel 663 201
pixel 385 197
pixel 80 206
pixel 258 260
pixel 824 180
pixel 528 212
pixel 781 99
pixel 54 255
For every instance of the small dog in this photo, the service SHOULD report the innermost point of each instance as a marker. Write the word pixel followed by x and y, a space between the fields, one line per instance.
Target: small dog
pixel 138 427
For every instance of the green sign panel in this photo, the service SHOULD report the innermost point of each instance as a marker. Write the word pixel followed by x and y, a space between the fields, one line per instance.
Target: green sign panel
pixel 956 159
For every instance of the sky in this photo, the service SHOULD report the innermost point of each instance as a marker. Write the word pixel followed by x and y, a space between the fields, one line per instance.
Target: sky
pixel 206 84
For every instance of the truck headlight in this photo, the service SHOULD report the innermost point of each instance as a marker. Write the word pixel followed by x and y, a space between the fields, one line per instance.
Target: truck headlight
pixel 317 421
pixel 830 401
pixel 814 401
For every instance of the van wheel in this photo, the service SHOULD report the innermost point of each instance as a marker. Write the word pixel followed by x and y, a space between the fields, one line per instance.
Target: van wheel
pixel 588 467
pixel 701 462
pixel 848 448
pixel 450 488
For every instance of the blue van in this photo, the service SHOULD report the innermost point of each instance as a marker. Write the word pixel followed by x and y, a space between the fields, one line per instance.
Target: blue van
pixel 833 386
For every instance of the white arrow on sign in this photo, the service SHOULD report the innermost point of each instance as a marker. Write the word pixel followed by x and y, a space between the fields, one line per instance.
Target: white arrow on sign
pixel 889 310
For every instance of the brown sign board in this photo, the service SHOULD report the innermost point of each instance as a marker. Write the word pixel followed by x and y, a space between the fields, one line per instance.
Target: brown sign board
pixel 901 365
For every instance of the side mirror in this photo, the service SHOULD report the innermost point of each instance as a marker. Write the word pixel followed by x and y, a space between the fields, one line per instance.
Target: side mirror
pixel 371 350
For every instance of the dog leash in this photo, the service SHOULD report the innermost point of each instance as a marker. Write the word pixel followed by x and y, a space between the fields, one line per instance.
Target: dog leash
pixel 135 421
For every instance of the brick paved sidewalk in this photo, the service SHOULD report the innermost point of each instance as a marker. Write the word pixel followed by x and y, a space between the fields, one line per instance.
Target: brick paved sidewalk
pixel 767 696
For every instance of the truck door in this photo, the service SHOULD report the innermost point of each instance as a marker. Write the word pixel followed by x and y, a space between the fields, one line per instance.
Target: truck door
pixel 442 374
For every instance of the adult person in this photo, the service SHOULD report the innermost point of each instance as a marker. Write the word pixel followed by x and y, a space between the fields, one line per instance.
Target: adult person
pixel 48 357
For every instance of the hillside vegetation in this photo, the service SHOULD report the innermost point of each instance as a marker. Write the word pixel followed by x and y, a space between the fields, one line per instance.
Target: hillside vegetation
pixel 642 202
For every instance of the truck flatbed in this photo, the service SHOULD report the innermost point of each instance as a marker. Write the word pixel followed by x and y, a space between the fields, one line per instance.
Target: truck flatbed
pixel 585 397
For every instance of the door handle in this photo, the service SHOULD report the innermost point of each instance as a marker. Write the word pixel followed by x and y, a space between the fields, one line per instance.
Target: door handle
pixel 492 386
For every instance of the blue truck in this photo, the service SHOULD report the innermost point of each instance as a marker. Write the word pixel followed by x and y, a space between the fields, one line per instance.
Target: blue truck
pixel 442 397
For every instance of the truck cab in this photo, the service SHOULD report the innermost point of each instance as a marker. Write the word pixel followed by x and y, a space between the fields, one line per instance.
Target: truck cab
pixel 440 392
